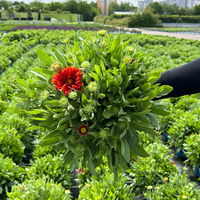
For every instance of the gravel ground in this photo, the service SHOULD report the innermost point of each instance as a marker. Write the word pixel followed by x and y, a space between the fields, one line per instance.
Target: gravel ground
pixel 151 32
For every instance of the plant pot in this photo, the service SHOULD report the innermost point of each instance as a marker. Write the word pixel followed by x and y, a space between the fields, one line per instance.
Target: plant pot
pixel 181 154
pixel 164 137
pixel 197 170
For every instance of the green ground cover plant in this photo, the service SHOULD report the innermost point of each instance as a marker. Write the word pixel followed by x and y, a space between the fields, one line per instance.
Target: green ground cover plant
pixel 178 187
pixel 52 167
pixel 10 174
pixel 152 170
pixel 40 188
pixel 158 56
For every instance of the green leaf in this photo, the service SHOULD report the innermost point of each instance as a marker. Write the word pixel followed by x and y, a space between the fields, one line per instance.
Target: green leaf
pixel 84 99
pixel 164 90
pixel 91 166
pixel 52 141
pixel 23 84
pixel 32 128
pixel 38 118
pixel 36 111
pixel 39 75
pixel 138 150
pixel 97 69
pixel 123 70
pixel 44 57
pixel 68 157
pixel 59 57
pixel 115 44
pixel 159 110
pixel 144 128
pixel 107 114
pixel 125 149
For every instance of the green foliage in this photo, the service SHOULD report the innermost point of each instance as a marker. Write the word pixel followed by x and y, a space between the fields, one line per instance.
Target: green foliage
pixel 192 149
pixel 106 188
pixel 41 151
pixel 178 187
pixel 183 126
pixel 152 170
pixel 41 188
pixel 145 19
pixel 187 103
pixel 120 7
pixel 118 107
pixel 10 145
pixel 10 174
pixel 52 167
pixel 179 19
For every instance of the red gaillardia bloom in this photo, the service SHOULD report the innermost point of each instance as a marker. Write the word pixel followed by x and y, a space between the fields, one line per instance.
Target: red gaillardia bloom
pixel 67 79
pixel 83 129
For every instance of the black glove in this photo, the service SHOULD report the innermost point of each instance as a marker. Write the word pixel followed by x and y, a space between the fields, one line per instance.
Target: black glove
pixel 184 79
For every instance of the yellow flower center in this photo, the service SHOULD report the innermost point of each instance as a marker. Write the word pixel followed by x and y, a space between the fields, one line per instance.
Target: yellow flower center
pixel 165 179
pixel 69 81
pixel 83 130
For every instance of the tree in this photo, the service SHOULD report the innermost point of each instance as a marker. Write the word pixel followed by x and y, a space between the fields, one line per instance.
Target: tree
pixel 112 8
pixel 71 6
pixel 145 19
pixel 126 7
pixel 36 6
pixel 4 4
pixel 156 7
pixel 54 6
pixel 196 10
pixel 120 7
pixel 87 11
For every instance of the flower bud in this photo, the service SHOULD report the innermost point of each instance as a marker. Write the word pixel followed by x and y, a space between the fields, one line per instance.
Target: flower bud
pixel 56 67
pixel 85 64
pixel 130 48
pixel 149 187
pixel 72 95
pixel 127 60
pixel 102 32
pixel 92 87
pixel 88 109
pixel 44 95
pixel 104 133
pixel 63 101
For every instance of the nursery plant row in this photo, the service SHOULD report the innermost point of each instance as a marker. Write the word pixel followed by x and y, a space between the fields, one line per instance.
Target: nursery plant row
pixel 29 170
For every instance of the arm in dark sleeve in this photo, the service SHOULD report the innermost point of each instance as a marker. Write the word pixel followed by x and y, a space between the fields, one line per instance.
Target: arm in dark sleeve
pixel 184 79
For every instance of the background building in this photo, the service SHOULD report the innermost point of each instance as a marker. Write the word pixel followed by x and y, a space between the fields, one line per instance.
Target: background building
pixel 104 4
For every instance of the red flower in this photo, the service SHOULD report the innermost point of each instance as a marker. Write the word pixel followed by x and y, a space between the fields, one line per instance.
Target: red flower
pixel 80 170
pixel 67 79
pixel 83 129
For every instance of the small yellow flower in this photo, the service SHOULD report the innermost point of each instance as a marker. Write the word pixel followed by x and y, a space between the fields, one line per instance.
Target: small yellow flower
pixel 165 179
pixel 149 187
pixel 184 196
pixel 56 66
